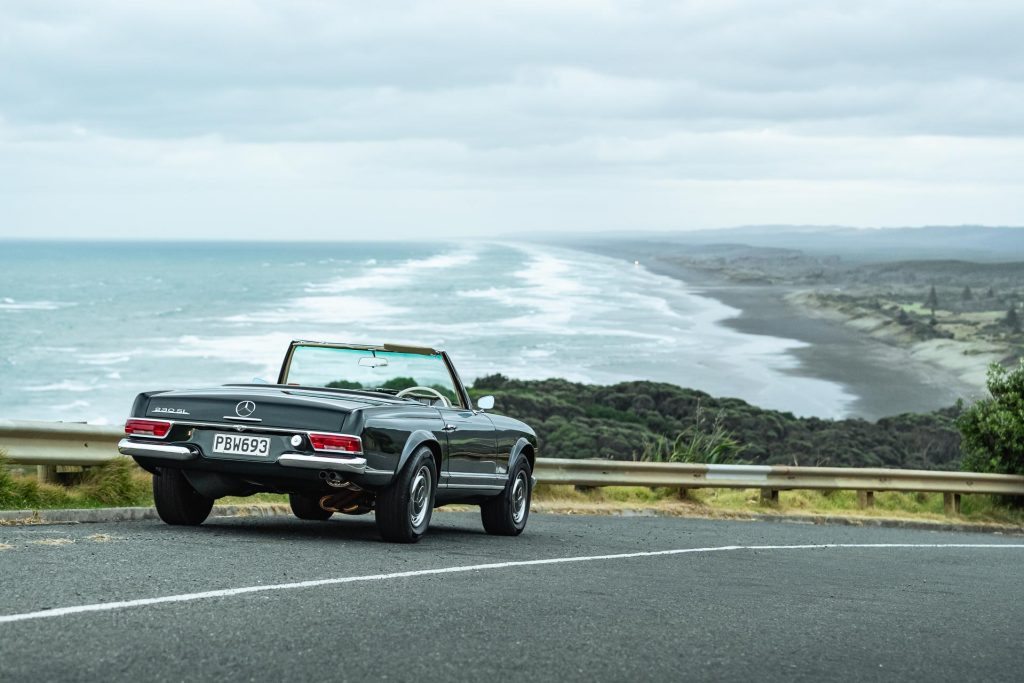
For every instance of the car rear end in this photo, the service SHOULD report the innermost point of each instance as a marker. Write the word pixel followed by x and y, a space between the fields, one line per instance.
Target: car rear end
pixel 257 439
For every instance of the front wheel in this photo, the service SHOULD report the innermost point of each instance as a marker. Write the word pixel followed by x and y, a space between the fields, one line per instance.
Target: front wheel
pixel 403 509
pixel 506 513
pixel 176 501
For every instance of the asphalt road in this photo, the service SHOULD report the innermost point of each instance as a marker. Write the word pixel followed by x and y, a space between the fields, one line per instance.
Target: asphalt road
pixel 813 613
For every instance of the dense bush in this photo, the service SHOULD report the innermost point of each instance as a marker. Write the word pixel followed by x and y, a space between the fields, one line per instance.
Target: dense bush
pixel 623 420
pixel 993 428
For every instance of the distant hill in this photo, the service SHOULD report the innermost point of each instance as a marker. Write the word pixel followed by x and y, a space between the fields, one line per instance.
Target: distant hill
pixel 963 242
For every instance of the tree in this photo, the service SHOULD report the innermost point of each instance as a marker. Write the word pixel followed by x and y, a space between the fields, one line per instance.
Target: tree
pixel 992 429
pixel 967 294
pixel 1012 320
pixel 990 293
pixel 904 319
pixel 933 300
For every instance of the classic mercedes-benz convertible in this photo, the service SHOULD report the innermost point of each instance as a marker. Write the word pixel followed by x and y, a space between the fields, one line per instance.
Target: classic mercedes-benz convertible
pixel 351 429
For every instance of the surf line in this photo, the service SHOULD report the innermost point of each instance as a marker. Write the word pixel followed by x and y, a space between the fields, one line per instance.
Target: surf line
pixel 244 590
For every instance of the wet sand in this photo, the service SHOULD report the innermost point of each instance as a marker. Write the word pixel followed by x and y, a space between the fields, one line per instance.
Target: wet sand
pixel 885 378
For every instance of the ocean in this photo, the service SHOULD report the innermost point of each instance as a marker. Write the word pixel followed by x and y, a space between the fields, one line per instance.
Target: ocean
pixel 85 326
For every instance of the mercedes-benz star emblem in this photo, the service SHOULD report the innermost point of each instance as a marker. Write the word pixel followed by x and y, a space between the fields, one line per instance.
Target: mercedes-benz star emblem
pixel 245 408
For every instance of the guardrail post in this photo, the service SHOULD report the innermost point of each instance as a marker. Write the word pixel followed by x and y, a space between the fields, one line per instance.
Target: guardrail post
pixel 866 499
pixel 47 474
pixel 770 496
pixel 951 502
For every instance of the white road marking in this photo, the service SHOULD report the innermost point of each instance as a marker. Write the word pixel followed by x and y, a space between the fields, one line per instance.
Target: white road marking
pixel 229 592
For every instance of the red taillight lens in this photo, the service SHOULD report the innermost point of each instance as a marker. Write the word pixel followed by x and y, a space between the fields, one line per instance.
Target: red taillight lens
pixel 157 428
pixel 336 443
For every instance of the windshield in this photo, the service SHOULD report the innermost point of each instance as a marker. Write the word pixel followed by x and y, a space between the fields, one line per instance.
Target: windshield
pixel 363 370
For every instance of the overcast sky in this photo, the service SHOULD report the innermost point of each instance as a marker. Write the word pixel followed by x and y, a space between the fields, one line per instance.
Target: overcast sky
pixel 336 120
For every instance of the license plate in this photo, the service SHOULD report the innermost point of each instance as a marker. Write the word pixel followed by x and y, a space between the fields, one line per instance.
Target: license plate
pixel 236 444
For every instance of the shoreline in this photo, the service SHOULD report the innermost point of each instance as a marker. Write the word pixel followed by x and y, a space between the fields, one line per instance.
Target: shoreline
pixel 887 378
pixel 967 360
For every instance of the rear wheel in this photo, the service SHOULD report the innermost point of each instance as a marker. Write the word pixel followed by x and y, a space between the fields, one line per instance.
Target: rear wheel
pixel 403 509
pixel 506 513
pixel 176 501
pixel 308 507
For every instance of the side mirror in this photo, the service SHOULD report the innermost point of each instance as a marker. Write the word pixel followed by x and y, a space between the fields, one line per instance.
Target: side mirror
pixel 485 402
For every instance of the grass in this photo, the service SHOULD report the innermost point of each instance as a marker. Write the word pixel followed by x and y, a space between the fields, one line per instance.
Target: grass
pixel 116 483
pixel 121 483
pixel 978 509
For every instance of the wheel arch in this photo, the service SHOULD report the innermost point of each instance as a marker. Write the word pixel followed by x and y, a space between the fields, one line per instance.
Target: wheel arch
pixel 420 437
pixel 522 449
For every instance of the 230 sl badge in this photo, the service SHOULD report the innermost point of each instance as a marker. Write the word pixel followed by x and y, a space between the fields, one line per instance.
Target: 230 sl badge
pixel 171 411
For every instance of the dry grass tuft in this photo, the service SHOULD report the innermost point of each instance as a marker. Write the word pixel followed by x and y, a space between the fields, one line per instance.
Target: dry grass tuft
pixel 53 541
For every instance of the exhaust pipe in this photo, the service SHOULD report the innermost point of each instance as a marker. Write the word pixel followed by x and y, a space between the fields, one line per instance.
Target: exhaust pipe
pixel 348 502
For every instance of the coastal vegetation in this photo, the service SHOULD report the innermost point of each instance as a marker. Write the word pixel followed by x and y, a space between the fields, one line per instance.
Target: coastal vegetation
pixel 657 421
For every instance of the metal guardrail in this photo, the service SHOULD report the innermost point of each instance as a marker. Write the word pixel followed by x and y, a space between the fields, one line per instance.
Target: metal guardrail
pixel 27 442
pixel 684 475
pixel 61 443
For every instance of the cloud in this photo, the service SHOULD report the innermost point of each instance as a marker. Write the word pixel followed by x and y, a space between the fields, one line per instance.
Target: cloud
pixel 194 117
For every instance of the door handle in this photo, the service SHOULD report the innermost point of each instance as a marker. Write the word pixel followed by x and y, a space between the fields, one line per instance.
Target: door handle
pixel 449 428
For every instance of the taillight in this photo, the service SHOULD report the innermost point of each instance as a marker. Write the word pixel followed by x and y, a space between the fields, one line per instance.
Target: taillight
pixel 155 428
pixel 336 443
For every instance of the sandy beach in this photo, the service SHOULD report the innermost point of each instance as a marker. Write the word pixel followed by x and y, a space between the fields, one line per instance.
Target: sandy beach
pixel 887 377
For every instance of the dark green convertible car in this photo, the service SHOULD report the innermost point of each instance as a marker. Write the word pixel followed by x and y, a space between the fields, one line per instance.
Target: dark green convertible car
pixel 347 428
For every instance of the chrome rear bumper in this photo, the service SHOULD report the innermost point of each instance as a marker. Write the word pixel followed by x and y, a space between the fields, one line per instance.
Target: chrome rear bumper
pixel 142 449
pixel 319 462
pixel 155 450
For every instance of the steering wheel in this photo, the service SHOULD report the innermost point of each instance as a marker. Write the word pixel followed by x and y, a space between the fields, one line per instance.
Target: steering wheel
pixel 433 393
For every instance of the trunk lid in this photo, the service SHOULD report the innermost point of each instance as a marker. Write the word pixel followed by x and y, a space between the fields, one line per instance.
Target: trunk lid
pixel 260 406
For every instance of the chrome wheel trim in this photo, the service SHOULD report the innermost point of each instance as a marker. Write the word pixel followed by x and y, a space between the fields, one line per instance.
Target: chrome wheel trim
pixel 520 489
pixel 419 496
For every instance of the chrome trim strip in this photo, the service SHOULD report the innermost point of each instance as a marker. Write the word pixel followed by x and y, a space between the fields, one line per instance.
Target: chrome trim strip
pixel 470 486
pixel 242 419
pixel 155 450
pixel 244 428
pixel 478 475
pixel 317 462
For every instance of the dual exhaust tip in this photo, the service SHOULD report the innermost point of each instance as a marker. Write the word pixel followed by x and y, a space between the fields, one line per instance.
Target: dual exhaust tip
pixel 332 479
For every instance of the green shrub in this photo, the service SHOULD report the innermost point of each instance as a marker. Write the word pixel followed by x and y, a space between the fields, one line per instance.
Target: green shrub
pixel 993 428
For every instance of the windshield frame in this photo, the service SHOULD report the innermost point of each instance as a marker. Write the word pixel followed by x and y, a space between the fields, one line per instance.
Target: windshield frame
pixel 460 390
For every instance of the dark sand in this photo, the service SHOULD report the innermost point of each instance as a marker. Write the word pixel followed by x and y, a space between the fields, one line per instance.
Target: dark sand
pixel 885 379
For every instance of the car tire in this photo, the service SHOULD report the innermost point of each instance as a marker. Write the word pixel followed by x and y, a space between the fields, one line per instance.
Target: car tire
pixel 176 501
pixel 403 509
pixel 308 507
pixel 506 514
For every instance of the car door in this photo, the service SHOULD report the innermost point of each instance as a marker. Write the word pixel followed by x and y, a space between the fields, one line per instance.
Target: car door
pixel 472 450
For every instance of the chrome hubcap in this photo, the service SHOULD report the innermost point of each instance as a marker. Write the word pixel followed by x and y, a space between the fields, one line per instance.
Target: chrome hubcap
pixel 519 498
pixel 419 498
